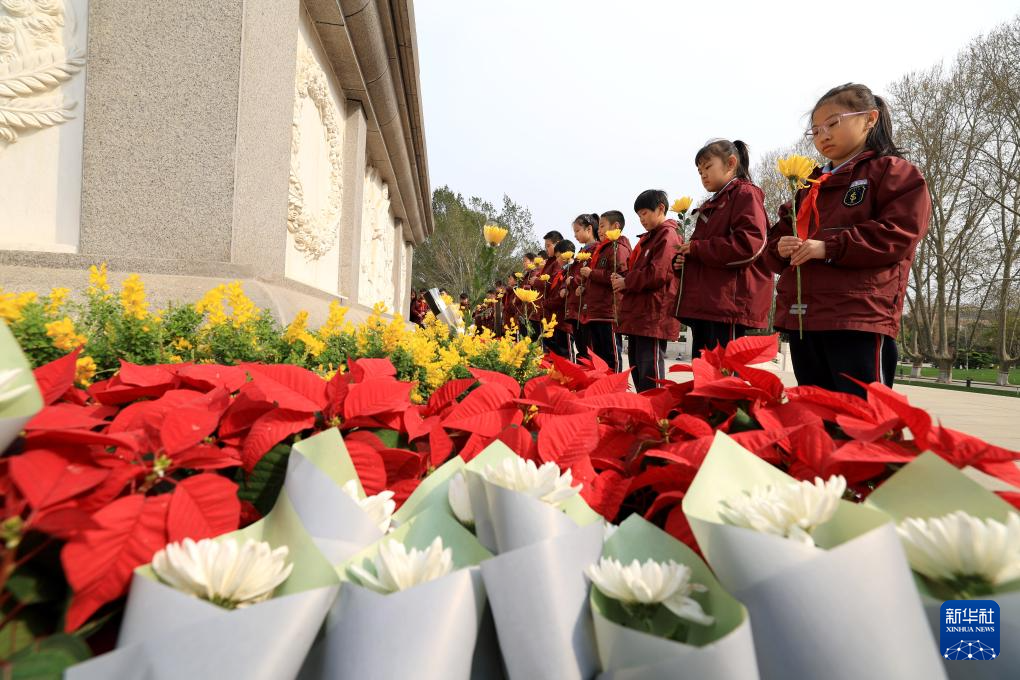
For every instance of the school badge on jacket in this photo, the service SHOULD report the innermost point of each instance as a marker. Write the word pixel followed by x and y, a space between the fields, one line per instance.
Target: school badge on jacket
pixel 855 194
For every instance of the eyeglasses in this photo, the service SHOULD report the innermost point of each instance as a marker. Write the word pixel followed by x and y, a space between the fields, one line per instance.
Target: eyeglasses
pixel 830 124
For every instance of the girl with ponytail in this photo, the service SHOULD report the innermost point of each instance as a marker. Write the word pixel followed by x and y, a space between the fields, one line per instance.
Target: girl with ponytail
pixel 857 227
pixel 727 288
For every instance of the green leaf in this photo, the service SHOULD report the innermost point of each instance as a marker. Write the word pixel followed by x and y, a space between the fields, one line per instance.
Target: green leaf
pixel 49 658
pixel 263 485
pixel 391 438
pixel 28 586
pixel 14 637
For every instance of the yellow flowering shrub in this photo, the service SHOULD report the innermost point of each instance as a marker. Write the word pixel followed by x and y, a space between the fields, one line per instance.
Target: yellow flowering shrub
pixel 225 326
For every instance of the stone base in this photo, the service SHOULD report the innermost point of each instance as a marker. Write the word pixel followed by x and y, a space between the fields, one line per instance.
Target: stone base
pixel 169 281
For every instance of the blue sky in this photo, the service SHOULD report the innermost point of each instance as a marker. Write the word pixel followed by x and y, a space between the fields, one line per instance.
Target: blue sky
pixel 573 107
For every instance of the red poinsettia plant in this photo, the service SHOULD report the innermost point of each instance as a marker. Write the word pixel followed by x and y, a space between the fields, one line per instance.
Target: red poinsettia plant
pixel 105 477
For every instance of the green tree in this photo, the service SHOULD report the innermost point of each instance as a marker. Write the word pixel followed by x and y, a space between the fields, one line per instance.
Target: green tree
pixel 452 254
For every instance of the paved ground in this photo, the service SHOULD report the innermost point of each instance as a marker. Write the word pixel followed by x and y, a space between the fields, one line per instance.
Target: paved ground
pixel 992 418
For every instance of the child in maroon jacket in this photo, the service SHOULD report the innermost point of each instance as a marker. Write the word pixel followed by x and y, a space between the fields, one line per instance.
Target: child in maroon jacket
pixel 649 291
pixel 863 216
pixel 597 309
pixel 556 303
pixel 585 228
pixel 727 287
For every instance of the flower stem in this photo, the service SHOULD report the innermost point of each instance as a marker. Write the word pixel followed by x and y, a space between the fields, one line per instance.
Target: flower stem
pixel 796 232
pixel 616 319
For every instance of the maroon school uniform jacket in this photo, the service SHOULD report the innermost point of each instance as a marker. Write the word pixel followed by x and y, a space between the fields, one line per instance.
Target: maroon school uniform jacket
pixel 872 214
pixel 650 296
pixel 551 266
pixel 554 303
pixel 725 276
pixel 598 291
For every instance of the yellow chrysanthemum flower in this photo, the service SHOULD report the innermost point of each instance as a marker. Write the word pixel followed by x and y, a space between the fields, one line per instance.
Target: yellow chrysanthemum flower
pixel 494 234
pixel 528 296
pixel 539 261
pixel 84 370
pixel 796 169
pixel 544 277
pixel 582 257
pixel 518 275
pixel 64 335
pixel 682 205
pixel 613 234
pixel 567 255
pixel 132 298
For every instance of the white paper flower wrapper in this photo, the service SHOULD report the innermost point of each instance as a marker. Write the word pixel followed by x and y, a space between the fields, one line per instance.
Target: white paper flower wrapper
pixel 723 651
pixel 930 487
pixel 428 631
pixel 506 520
pixel 539 600
pixel 15 413
pixel 313 517
pixel 843 611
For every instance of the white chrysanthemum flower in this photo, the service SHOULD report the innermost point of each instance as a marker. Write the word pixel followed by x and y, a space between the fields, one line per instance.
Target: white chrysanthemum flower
pixel 8 392
pixel 460 501
pixel 963 551
pixel 651 583
pixel 544 483
pixel 792 510
pixel 379 507
pixel 397 569
pixel 222 572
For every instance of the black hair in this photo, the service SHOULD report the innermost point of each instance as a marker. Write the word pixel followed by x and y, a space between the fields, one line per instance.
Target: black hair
pixel 491 290
pixel 590 220
pixel 651 199
pixel 566 245
pixel 553 236
pixel 500 282
pixel 529 256
pixel 613 217
pixel 723 149
pixel 442 291
pixel 464 295
pixel 857 97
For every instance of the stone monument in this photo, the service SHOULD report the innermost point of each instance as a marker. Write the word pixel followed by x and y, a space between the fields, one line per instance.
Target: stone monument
pixel 279 142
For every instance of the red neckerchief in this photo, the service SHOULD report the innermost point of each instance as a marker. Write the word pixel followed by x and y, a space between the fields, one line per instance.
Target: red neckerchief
pixel 809 208
pixel 598 251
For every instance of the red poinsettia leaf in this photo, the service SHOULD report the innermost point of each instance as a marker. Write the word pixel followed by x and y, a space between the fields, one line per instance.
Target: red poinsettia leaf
pixel 664 500
pixel 336 394
pixel 1006 470
pixel 56 377
pixel 144 376
pixel 365 369
pixel 271 429
pixel 474 445
pixel 598 365
pixel 98 565
pixel 568 373
pixel 41 439
pixel 610 384
pixel 208 376
pixel 447 394
pixel 564 439
pixel 691 426
pixel 242 413
pixel 484 377
pixel 751 349
pixel 440 445
pixel 827 404
pixel 871 452
pixel 623 401
pixel 66 521
pixel 403 489
pixel 203 506
pixel 207 457
pixel 369 465
pixel 64 416
pixel 1013 498
pixel 679 528
pixel 672 477
pixel 487 410
pixel 186 427
pixel 415 423
pixel 962 449
pixel 121 475
pixel 488 424
pixel 298 380
pixel 46 478
pixel 520 441
pixel 730 388
pixel 374 396
pixel 401 464
pixel 866 431
pixel 914 418
pixel 705 372
pixel 605 493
